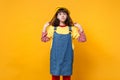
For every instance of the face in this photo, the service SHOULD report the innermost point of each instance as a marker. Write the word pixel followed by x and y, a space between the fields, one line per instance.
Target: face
pixel 62 16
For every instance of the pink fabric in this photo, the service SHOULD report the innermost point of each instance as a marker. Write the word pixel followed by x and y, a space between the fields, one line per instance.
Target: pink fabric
pixel 82 37
pixel 44 37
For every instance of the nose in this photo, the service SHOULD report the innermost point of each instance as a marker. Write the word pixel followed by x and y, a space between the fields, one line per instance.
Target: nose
pixel 63 16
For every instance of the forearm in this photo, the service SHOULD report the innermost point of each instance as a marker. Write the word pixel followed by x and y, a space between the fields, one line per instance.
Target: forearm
pixel 82 37
pixel 44 29
pixel 80 29
pixel 44 37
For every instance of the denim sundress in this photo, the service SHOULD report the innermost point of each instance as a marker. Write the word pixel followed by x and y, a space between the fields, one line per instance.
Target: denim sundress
pixel 61 54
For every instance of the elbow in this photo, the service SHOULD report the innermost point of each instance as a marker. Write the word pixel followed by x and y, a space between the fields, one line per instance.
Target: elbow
pixel 44 37
pixel 82 40
pixel 82 37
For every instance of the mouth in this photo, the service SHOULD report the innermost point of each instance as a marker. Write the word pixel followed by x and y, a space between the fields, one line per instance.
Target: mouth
pixel 62 18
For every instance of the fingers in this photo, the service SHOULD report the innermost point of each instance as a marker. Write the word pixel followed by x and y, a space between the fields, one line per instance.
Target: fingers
pixel 47 24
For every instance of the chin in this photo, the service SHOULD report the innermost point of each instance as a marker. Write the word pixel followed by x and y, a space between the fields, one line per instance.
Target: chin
pixel 62 20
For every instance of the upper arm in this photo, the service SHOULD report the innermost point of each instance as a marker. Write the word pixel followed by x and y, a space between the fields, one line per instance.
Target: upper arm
pixel 50 30
pixel 75 33
pixel 46 36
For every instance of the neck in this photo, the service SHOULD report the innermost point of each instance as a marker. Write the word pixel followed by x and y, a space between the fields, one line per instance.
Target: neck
pixel 62 24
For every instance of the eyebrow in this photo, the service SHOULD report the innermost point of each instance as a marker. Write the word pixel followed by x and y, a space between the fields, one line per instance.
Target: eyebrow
pixel 62 12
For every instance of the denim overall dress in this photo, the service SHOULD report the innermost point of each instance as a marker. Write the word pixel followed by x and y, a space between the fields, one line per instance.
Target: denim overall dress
pixel 61 54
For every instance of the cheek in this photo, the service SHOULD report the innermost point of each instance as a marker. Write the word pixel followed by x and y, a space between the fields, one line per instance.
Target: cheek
pixel 65 16
pixel 58 17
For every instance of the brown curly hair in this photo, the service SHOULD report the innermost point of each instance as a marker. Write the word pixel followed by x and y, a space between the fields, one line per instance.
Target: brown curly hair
pixel 55 22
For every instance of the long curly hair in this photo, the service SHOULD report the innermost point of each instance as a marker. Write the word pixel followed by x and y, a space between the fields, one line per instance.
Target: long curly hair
pixel 55 22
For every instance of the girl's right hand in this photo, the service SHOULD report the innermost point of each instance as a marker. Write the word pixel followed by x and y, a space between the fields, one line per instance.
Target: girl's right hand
pixel 46 24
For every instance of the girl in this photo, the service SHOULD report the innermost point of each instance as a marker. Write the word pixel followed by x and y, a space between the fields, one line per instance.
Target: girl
pixel 62 30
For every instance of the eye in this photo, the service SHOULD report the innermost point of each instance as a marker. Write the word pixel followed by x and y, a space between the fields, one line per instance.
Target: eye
pixel 64 13
pixel 59 13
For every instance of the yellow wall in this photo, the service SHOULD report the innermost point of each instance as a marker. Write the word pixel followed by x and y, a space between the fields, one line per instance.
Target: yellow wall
pixel 24 57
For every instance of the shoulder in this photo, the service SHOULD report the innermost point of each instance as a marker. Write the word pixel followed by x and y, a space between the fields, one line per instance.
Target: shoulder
pixel 50 27
pixel 74 28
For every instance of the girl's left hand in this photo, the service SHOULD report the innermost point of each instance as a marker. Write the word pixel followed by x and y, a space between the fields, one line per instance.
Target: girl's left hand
pixel 78 26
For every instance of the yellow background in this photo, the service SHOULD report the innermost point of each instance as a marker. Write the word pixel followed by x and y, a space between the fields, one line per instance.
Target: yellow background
pixel 24 57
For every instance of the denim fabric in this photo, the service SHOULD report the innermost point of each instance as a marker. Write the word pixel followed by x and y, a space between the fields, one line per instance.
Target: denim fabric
pixel 61 54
